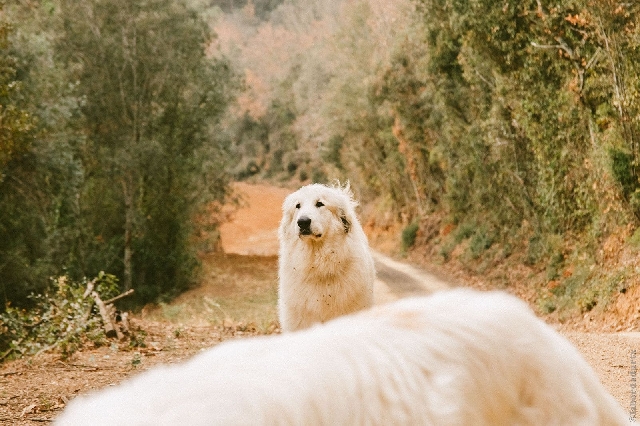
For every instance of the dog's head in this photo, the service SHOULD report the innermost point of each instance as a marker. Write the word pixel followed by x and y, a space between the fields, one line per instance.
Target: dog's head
pixel 316 211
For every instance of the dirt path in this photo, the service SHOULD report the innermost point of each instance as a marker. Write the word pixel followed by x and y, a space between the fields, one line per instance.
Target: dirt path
pixel 253 225
pixel 252 229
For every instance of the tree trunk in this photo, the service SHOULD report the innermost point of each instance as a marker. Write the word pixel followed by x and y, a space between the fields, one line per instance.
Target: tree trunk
pixel 128 230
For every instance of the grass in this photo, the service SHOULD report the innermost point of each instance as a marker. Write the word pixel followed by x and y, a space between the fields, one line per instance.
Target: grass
pixel 241 289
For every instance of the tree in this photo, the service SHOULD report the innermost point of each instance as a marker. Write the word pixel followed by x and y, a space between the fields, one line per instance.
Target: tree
pixel 25 194
pixel 151 99
pixel 16 124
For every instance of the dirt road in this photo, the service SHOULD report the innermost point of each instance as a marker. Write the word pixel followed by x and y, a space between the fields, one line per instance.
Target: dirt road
pixel 253 230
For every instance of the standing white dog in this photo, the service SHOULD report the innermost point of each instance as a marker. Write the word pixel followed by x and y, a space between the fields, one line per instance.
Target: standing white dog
pixel 459 357
pixel 326 268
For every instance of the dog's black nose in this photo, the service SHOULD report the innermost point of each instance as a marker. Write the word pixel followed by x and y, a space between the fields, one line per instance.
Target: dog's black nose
pixel 304 223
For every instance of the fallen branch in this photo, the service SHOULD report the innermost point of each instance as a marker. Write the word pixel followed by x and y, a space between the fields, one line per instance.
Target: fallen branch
pixel 118 297
pixel 33 325
pixel 109 329
pixel 89 289
pixel 48 348
pixel 107 312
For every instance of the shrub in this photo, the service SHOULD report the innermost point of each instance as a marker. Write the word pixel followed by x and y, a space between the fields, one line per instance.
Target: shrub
pixel 63 318
pixel 464 231
pixel 622 167
pixel 409 235
pixel 480 242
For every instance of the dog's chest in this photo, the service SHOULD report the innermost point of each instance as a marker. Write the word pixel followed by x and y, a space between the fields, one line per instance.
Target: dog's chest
pixel 329 262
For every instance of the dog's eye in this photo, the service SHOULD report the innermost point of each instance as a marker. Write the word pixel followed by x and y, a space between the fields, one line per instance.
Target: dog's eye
pixel 319 204
pixel 298 206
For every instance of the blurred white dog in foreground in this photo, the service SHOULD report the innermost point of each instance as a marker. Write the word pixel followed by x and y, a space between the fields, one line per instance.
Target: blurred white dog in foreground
pixel 458 357
pixel 326 268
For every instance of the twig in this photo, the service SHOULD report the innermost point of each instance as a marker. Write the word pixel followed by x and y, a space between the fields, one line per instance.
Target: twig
pixel 34 325
pixel 118 297
pixel 593 58
pixel 47 348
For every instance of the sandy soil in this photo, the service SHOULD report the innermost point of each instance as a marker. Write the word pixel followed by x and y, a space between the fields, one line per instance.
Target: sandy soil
pixel 252 228
pixel 34 390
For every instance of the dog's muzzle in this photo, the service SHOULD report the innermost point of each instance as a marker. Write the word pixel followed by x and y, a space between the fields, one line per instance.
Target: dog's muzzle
pixel 304 225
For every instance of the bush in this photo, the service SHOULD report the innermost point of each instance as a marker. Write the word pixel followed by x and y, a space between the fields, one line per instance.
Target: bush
pixel 622 167
pixel 481 241
pixel 409 236
pixel 63 318
pixel 464 231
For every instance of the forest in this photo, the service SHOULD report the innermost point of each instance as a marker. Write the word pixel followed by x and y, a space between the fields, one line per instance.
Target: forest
pixel 496 132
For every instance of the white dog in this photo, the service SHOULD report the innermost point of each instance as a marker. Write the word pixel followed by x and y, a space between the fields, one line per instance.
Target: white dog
pixel 459 357
pixel 326 268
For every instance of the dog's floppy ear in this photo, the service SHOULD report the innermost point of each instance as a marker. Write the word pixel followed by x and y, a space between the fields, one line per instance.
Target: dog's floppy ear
pixel 345 222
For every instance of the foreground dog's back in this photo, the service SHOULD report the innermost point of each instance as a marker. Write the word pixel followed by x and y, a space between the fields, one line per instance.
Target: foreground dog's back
pixel 456 358
pixel 326 269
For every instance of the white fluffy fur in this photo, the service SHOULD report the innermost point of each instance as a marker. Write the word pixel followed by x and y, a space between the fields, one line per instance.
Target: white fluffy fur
pixel 458 357
pixel 329 272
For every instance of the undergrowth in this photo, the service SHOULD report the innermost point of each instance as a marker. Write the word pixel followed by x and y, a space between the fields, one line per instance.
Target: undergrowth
pixel 568 275
pixel 63 318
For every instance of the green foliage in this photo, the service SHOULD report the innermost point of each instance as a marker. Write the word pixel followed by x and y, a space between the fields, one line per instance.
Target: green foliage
pixel 513 119
pixel 481 241
pixel 464 231
pixel 39 178
pixel 514 115
pixel 151 99
pixel 576 292
pixel 634 241
pixel 318 175
pixel 63 318
pixel 17 125
pixel 331 152
pixel 623 168
pixel 409 234
pixel 117 147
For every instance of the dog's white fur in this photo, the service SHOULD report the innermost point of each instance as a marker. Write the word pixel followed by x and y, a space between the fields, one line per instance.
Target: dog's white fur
pixel 459 357
pixel 327 271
